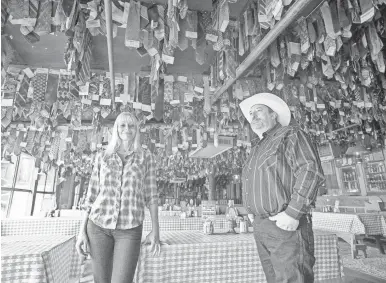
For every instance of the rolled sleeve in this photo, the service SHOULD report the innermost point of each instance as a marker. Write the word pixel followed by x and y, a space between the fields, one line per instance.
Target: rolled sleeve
pixel 151 191
pixel 309 175
pixel 94 184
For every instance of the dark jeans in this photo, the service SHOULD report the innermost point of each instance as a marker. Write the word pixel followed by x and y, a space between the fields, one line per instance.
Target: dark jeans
pixel 114 253
pixel 286 257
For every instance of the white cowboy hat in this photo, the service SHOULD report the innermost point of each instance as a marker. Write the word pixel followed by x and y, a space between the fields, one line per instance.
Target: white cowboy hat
pixel 272 101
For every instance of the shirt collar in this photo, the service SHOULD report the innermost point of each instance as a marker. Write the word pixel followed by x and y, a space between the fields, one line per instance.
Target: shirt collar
pixel 127 155
pixel 270 132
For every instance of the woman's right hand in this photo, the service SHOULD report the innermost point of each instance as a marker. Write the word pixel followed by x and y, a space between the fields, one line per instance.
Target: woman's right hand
pixel 82 244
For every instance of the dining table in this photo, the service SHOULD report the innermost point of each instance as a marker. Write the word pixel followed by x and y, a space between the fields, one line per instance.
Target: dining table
pixel 352 226
pixel 70 225
pixel 40 259
pixel 192 256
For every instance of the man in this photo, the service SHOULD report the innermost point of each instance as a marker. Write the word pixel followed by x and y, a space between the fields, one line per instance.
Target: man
pixel 280 181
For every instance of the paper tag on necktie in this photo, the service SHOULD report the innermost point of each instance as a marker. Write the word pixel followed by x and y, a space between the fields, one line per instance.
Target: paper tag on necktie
pixel 211 37
pixel 368 15
pixel 86 101
pixel 199 89
pixel 93 24
pixel 320 106
pixel 137 105
pixel 168 59
pixel 6 102
pixel 152 51
pixel 146 108
pixel 169 78
pixel 191 34
pixel 188 97
pixel 105 101
pixel 28 72
pixel 182 79
pixel 83 89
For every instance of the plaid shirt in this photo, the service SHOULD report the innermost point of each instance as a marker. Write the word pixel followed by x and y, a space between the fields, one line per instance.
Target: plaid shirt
pixel 283 172
pixel 117 195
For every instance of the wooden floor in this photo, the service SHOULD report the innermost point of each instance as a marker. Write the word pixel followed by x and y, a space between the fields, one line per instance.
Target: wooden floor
pixel 353 276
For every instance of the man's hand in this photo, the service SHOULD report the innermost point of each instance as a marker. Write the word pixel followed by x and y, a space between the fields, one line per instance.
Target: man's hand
pixel 285 222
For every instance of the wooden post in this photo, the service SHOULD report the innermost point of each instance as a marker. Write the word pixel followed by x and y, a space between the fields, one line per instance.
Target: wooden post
pixel 212 185
pixel 109 28
pixel 291 15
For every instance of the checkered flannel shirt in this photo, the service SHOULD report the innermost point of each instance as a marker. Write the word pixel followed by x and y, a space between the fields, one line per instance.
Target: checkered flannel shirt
pixel 117 194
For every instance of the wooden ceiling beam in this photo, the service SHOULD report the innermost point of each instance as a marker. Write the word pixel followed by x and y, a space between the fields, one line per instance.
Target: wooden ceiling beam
pixel 110 51
pixel 291 15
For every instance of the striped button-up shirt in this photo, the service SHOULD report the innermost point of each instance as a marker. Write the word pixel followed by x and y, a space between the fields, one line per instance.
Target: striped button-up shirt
pixel 117 193
pixel 282 172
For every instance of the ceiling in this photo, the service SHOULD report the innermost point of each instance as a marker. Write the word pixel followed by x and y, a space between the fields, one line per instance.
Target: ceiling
pixel 48 52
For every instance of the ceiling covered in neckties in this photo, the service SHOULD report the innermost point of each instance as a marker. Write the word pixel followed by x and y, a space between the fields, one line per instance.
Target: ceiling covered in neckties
pixel 48 52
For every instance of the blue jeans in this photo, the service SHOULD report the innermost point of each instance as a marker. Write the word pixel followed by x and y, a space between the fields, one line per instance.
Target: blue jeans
pixel 114 253
pixel 286 256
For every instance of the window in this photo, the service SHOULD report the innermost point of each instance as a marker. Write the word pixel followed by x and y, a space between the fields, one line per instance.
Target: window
pixel 5 198
pixel 21 204
pixel 45 193
pixel 7 173
pixel 43 204
pixel 25 173
pixel 18 195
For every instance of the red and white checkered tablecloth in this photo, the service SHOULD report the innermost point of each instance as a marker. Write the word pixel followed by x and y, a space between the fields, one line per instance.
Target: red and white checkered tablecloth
pixel 173 223
pixel 39 259
pixel 40 226
pixel 357 224
pixel 375 224
pixel 191 256
pixel 70 226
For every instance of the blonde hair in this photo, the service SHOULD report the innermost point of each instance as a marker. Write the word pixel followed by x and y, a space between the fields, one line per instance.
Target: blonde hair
pixel 116 142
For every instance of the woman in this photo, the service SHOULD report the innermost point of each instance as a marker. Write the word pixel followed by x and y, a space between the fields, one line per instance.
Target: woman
pixel 122 183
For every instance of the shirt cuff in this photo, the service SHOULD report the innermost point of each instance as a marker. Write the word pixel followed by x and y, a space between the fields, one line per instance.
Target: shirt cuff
pixel 87 207
pixel 297 207
pixel 153 200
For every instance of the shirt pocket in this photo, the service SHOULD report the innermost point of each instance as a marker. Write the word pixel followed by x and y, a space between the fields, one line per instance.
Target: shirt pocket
pixel 268 159
pixel 109 170
pixel 138 172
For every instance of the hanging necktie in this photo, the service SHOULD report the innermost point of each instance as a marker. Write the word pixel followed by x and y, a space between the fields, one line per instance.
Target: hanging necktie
pixel 302 30
pixel 39 83
pixel 51 95
pixel 44 20
pixel 183 41
pixel 30 140
pixel 191 31
pixel 145 89
pixel 6 120
pixel 168 88
pixel 4 14
pixel 105 98
pixel 231 64
pixel 207 102
pixel 274 54
pixel 201 41
pixel 133 25
pixel 16 9
pixel 159 102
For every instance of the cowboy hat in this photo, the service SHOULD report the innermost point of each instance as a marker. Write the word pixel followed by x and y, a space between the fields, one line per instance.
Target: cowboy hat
pixel 272 101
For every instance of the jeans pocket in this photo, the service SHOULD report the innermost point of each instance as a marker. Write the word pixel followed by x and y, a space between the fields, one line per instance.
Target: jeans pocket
pixel 278 233
pixel 93 229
